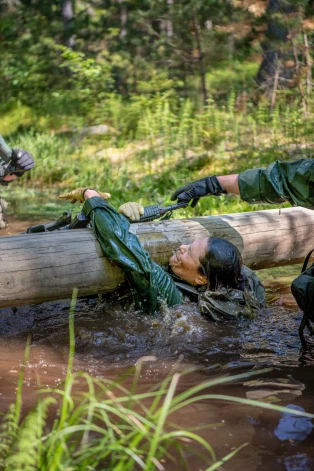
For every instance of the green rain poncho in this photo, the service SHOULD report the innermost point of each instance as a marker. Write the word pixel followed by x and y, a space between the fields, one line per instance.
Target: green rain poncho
pixel 149 282
pixel 280 182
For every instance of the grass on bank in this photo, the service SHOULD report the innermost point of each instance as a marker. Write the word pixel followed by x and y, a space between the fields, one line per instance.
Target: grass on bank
pixel 151 147
pixel 92 423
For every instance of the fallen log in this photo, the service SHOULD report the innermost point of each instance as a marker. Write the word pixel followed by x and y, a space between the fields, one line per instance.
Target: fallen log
pixel 47 266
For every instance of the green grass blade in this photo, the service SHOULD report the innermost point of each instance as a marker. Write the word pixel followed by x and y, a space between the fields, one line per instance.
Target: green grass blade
pixel 162 418
pixel 225 458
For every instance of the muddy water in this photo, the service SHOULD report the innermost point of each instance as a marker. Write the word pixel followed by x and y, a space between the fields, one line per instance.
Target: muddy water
pixel 110 338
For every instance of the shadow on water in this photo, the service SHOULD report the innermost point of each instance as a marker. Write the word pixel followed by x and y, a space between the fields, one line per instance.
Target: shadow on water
pixel 111 337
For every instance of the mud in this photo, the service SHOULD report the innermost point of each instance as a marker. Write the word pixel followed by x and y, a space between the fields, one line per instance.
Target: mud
pixel 111 337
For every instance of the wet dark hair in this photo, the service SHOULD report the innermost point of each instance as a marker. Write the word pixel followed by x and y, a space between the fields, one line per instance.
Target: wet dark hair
pixel 221 264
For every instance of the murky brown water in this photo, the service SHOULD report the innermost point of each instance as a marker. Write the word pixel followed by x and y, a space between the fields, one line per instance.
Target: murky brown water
pixel 110 338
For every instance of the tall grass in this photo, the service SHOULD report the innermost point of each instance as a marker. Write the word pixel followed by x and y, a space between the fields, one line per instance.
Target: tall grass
pixel 100 424
pixel 156 144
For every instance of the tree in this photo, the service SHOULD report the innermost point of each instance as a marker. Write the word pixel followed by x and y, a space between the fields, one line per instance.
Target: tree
pixel 67 9
pixel 277 45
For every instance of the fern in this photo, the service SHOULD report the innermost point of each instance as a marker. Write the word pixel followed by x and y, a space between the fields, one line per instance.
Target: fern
pixel 8 433
pixel 26 448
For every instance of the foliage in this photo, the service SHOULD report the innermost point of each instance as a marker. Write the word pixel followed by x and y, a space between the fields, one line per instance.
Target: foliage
pixel 173 84
pixel 154 145
pixel 103 425
pixel 65 56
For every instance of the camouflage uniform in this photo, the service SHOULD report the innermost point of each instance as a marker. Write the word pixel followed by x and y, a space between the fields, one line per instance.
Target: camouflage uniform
pixel 4 150
pixel 280 182
pixel 5 155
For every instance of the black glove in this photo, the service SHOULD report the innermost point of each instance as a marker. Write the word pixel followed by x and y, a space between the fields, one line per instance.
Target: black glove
pixel 21 162
pixel 208 186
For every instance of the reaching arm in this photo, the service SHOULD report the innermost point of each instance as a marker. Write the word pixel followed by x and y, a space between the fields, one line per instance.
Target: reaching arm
pixel 13 162
pixel 148 280
pixel 230 183
pixel 279 182
pixel 5 151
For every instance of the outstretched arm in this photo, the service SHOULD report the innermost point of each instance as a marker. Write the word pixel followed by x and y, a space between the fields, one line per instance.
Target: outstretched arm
pixel 147 279
pixel 13 162
pixel 280 182
pixel 230 183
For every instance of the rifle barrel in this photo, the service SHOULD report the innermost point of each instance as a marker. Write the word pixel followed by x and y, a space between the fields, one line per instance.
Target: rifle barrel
pixel 164 209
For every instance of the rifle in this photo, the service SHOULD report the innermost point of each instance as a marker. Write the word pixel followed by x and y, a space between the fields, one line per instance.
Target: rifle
pixel 155 212
pixel 80 221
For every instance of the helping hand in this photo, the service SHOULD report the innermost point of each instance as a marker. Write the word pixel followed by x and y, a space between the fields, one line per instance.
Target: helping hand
pixel 21 162
pixel 132 211
pixel 208 186
pixel 78 195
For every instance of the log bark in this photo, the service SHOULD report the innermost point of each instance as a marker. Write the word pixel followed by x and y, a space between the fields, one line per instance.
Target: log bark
pixel 43 267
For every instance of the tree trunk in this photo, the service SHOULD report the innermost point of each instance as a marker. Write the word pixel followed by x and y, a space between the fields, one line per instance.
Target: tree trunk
pixel 200 61
pixel 123 18
pixel 275 46
pixel 308 61
pixel 169 24
pixel 67 9
pixel 43 267
pixel 275 86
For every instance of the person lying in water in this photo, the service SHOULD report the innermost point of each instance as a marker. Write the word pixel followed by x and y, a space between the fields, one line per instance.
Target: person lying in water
pixel 211 268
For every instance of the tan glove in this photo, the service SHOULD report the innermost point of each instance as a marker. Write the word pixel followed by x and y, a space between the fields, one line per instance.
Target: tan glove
pixel 132 211
pixel 78 195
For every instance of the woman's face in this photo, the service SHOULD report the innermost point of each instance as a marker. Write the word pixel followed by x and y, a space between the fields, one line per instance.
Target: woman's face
pixel 185 262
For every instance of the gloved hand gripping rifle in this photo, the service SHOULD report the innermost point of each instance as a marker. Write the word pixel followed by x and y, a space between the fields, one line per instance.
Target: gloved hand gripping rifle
pixel 164 212
pixel 80 221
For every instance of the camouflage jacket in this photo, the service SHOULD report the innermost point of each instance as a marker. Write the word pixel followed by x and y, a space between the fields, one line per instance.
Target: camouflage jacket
pixel 5 148
pixel 280 182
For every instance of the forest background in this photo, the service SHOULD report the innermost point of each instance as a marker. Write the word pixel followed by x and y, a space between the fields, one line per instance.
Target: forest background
pixel 137 97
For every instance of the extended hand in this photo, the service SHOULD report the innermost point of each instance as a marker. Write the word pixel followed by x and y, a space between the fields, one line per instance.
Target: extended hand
pixel 21 162
pixel 208 186
pixel 132 211
pixel 78 195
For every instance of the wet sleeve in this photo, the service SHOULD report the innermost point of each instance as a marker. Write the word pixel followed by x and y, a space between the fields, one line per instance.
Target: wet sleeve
pixel 280 182
pixel 147 279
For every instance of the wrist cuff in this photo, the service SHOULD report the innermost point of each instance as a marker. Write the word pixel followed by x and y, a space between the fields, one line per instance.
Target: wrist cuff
pixel 89 189
pixel 218 188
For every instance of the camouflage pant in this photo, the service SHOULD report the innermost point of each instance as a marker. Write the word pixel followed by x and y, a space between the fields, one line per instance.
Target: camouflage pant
pixel 3 217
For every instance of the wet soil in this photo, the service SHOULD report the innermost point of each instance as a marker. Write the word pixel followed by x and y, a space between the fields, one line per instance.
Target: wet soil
pixel 111 337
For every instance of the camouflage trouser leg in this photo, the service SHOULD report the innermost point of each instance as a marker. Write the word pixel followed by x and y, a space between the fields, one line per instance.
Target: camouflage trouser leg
pixel 3 216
